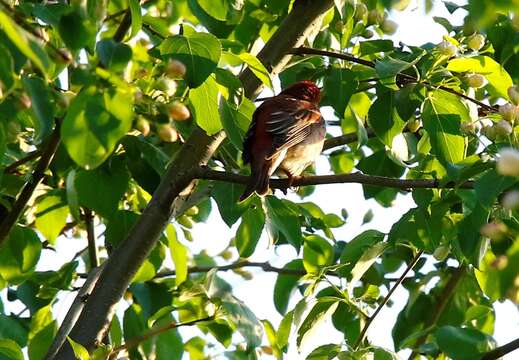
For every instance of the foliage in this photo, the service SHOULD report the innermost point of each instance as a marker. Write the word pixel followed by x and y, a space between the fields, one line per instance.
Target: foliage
pixel 125 83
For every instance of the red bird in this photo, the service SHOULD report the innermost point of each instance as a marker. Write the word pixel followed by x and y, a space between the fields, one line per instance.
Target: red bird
pixel 287 132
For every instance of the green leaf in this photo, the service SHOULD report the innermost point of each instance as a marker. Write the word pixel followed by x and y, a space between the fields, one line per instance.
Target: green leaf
pixel 41 341
pixel 375 46
pixel 244 320
pixel 179 255
pixel 226 197
pixel 25 42
pixel 14 328
pixel 119 225
pixel 200 52
pixel 135 9
pixel 384 118
pixel 285 284
pixel 388 68
pixel 7 75
pixel 285 220
pixel 257 68
pixel 317 252
pixel 95 122
pixel 72 195
pixel 339 85
pixel 283 333
pixel 498 79
pixel 324 352
pixel 463 343
pixel 40 105
pixel 204 100
pixel 51 215
pixel 101 189
pixel 19 254
pixel 442 115
pixel 79 350
pixel 364 263
pixel 233 122
pixel 10 350
pixel 321 311
pixel 215 8
pixel 354 249
pixel 249 231
pixel 112 54
pixel 76 31
pixel 169 344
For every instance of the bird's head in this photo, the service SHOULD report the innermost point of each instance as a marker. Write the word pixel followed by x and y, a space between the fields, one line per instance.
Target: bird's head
pixel 305 90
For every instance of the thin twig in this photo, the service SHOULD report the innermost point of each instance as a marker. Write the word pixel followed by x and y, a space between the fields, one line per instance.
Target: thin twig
pixel 93 253
pixel 123 26
pixel 154 332
pixel 443 300
pixel 345 139
pixel 15 165
pixel 358 178
pixel 501 351
pixel 311 51
pixel 74 312
pixel 19 205
pixel 370 319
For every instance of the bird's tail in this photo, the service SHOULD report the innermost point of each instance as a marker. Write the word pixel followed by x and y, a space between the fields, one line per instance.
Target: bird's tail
pixel 259 183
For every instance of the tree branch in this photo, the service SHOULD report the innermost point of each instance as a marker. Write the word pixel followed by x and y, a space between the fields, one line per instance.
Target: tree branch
pixel 28 189
pixel 386 299
pixel 29 157
pixel 443 300
pixel 311 51
pixel 73 313
pixel 345 139
pixel 154 331
pixel 91 238
pixel 177 185
pixel 358 178
pixel 501 351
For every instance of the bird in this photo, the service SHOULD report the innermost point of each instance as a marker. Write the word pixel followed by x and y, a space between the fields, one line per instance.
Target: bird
pixel 287 132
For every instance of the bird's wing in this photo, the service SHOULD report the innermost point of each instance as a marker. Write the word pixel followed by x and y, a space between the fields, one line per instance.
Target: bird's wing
pixel 289 122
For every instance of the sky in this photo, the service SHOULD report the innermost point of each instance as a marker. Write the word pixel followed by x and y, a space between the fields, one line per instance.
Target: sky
pixel 415 28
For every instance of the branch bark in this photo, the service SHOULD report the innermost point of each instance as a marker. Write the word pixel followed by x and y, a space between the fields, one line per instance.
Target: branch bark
pixel 25 195
pixel 359 178
pixel 177 185
pixel 386 299
pixel 345 139
pixel 91 238
pixel 501 351
pixel 29 157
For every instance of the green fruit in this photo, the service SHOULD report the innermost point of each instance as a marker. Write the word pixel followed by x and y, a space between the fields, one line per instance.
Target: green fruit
pixel 476 42
pixel 476 81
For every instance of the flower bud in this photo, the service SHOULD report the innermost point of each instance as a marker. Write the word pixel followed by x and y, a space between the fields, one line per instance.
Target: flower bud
pixel 389 27
pixel 500 262
pixel 494 230
pixel 489 131
pixel 510 200
pixel 447 49
pixel 360 11
pixel 367 34
pixel 143 125
pixel 468 127
pixel 179 111
pixel 166 133
pixel 509 112
pixel 513 93
pixel 503 128
pixel 476 42
pixel 175 69
pixel 476 81
pixel 166 85
pixel 413 125
pixel 508 162
pixel 441 252
pixel 24 102
pixel 374 17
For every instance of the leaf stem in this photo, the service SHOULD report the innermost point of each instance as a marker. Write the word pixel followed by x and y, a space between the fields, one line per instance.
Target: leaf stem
pixel 386 299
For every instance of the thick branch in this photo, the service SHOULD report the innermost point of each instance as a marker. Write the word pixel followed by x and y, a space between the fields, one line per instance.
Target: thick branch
pixel 177 186
pixel 358 178
pixel 501 351
pixel 409 78
pixel 25 195
pixel 386 299
pixel 443 300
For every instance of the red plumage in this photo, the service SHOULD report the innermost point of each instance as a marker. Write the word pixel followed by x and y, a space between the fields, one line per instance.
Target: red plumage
pixel 286 133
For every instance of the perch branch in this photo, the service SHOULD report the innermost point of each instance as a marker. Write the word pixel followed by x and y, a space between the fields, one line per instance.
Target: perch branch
pixel 501 351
